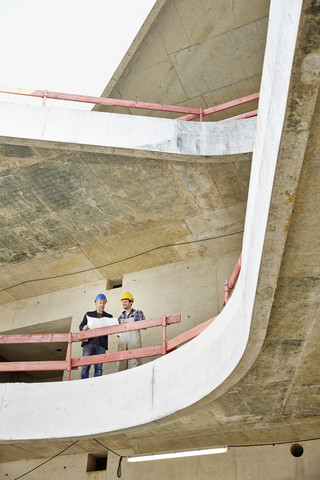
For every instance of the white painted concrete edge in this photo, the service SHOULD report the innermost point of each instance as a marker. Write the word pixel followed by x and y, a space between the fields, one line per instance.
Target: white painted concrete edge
pixel 172 383
pixel 123 134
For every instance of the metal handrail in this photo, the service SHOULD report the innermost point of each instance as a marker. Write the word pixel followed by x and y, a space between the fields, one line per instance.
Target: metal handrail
pixel 189 113
pixel 74 363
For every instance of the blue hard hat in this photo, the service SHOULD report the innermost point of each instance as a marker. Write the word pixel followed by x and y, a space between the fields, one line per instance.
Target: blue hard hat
pixel 101 296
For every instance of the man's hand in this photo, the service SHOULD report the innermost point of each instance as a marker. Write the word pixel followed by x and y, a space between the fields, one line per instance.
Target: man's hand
pixel 85 327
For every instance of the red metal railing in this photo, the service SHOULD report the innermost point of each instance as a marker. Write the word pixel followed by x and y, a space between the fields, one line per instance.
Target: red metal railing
pixel 189 113
pixel 225 106
pixel 74 363
pixel 230 284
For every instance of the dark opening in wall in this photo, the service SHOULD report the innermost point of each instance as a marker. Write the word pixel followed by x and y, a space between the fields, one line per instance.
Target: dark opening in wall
pixel 296 450
pixel 96 463
pixel 35 352
pixel 114 283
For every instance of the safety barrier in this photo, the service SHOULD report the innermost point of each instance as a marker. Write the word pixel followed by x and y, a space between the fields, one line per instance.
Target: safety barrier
pixel 230 284
pixel 74 363
pixel 189 113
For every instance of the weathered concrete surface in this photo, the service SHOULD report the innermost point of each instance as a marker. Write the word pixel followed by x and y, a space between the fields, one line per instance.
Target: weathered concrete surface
pixel 239 408
pixel 196 54
pixel 278 398
pixel 71 209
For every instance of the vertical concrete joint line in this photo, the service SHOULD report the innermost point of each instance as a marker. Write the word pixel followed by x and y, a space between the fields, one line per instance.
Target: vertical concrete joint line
pixel 152 387
pixel 4 394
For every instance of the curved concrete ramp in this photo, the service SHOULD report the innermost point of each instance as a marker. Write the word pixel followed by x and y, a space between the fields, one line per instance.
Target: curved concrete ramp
pixel 221 355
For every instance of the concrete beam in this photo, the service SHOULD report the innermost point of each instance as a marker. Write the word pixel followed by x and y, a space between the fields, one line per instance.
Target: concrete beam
pixel 125 134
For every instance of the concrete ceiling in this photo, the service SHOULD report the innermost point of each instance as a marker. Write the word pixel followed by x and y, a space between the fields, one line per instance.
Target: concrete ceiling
pixel 68 212
pixel 195 54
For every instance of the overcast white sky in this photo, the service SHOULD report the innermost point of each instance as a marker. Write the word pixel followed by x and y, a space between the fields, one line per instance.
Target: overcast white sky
pixel 71 46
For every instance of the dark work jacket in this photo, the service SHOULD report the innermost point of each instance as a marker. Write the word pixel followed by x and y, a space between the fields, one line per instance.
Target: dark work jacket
pixel 102 340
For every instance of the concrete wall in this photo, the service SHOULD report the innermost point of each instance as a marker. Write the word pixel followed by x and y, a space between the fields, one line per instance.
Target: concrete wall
pixel 249 463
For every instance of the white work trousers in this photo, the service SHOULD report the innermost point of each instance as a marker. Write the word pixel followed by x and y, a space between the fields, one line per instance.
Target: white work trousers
pixel 128 341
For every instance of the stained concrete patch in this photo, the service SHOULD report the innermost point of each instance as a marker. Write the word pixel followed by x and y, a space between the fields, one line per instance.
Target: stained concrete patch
pixel 215 19
pixel 171 29
pixel 222 222
pixel 199 68
pixel 226 178
pixel 16 151
pixel 135 184
pixel 73 195
pixel 141 248
pixel 77 199
pixel 168 83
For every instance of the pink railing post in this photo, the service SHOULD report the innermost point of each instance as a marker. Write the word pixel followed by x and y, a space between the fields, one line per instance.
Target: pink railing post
pixel 226 292
pixel 44 98
pixel 69 360
pixel 230 284
pixel 201 114
pixel 164 335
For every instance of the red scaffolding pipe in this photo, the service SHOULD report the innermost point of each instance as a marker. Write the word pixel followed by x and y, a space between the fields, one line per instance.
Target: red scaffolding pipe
pixel 230 284
pixel 223 106
pixel 190 113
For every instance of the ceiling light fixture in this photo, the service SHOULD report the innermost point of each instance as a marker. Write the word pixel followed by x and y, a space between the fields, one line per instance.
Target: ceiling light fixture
pixel 177 454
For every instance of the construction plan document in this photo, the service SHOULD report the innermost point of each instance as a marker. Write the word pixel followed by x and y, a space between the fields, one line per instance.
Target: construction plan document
pixel 101 322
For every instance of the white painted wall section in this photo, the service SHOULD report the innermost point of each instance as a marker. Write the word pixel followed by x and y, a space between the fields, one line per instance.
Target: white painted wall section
pixel 116 133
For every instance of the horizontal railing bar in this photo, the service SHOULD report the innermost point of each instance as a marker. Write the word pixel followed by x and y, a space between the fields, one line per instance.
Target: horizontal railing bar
pixel 80 361
pixel 231 103
pixel 125 327
pixel 114 102
pixel 189 335
pixel 33 366
pixel 189 113
pixel 81 336
pixel 242 116
pixel 35 338
pixel 117 356
pixel 223 106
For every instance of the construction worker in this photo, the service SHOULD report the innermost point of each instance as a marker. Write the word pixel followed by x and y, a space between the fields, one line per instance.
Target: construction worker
pixel 129 340
pixel 97 345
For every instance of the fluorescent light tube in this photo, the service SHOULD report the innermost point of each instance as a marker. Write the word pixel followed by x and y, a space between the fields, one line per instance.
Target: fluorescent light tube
pixel 177 454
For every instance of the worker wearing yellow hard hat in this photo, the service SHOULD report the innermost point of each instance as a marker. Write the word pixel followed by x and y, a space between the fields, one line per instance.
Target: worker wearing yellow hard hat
pixel 129 340
pixel 127 296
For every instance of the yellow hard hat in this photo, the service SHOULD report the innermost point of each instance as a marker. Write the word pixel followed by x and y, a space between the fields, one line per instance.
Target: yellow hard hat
pixel 126 296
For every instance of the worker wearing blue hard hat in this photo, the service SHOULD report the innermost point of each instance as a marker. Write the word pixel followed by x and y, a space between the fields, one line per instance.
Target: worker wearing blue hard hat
pixel 97 345
pixel 101 296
